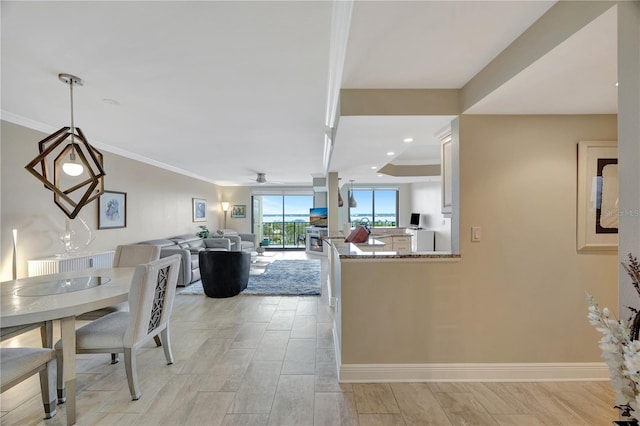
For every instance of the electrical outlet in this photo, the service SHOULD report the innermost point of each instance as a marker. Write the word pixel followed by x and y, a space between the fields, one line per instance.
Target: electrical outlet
pixel 476 234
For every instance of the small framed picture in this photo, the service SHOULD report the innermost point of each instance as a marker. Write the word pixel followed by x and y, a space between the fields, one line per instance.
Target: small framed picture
pixel 239 211
pixel 199 210
pixel 112 210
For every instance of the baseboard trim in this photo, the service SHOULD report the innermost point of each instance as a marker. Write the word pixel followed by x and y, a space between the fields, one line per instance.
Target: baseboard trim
pixel 486 372
pixel 336 345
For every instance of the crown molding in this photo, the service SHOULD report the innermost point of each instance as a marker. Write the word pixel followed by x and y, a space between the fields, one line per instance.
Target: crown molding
pixel 47 129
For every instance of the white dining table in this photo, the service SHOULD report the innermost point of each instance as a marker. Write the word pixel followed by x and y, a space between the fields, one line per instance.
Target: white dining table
pixel 62 297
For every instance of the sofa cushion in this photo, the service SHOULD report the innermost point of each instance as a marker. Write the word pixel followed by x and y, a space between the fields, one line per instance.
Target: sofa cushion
pixel 160 243
pixel 189 242
pixel 197 244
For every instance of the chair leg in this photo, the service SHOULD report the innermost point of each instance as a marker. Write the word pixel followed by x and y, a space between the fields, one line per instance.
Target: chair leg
pixel 46 334
pixel 115 358
pixel 157 339
pixel 167 344
pixel 62 397
pixel 47 384
pixel 132 373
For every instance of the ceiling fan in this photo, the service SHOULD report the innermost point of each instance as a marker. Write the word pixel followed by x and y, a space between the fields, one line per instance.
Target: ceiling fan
pixel 261 178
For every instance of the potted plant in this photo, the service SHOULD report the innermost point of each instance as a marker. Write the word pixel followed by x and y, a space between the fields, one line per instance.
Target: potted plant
pixel 203 232
pixel 621 349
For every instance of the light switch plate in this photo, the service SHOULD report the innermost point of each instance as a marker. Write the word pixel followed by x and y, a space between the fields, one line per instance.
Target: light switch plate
pixel 476 234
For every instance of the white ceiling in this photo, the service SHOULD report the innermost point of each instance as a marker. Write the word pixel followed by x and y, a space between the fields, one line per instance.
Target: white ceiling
pixel 223 90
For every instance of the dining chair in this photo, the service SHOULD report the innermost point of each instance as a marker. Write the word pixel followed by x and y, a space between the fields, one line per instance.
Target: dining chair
pixel 125 256
pixel 18 364
pixel 46 332
pixel 153 288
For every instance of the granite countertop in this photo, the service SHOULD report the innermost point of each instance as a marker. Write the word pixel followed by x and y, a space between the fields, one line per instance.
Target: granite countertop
pixel 351 251
pixel 394 234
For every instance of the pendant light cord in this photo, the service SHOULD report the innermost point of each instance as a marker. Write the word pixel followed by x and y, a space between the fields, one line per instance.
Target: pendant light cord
pixel 73 129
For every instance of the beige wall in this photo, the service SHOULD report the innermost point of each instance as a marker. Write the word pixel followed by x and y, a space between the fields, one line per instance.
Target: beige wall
pixel 158 203
pixel 236 195
pixel 516 296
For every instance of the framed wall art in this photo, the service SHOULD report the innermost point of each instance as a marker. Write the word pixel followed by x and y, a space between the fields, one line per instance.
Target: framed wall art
pixel 112 210
pixel 199 210
pixel 239 211
pixel 597 221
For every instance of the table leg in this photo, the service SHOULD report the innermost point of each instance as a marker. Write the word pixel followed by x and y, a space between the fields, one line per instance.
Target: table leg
pixel 68 334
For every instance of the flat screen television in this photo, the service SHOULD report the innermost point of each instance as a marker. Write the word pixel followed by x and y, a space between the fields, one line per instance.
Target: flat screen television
pixel 415 220
pixel 318 216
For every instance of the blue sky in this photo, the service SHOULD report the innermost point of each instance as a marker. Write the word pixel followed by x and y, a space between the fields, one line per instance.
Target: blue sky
pixel 295 204
pixel 385 202
pixel 300 204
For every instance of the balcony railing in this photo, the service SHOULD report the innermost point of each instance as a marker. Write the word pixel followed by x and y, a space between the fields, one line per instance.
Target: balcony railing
pixel 285 234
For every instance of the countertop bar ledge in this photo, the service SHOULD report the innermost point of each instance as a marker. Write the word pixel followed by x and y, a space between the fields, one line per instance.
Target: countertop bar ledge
pixel 350 251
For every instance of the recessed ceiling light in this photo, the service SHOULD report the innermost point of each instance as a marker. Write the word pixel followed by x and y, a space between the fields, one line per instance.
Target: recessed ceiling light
pixel 391 153
pixel 407 140
pixel 379 175
pixel 373 167
pixel 616 84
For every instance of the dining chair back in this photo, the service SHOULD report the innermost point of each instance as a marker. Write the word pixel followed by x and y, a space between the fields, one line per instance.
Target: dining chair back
pixel 18 364
pixel 153 288
pixel 134 255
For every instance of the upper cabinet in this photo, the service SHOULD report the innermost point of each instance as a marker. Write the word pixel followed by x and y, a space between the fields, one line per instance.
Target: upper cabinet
pixel 446 174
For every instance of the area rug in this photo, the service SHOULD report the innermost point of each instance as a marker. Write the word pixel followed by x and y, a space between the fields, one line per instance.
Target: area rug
pixel 281 277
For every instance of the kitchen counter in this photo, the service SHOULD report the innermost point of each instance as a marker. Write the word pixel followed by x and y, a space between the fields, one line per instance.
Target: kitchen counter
pixel 350 251
pixel 375 292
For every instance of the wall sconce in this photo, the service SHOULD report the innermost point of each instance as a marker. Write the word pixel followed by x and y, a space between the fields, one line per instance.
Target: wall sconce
pixel 14 272
pixel 78 160
pixel 225 209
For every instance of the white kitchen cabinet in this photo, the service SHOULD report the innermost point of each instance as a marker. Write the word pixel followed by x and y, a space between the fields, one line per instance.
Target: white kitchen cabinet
pixel 422 239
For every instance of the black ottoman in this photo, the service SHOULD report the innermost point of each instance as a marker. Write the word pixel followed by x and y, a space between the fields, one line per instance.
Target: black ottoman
pixel 224 273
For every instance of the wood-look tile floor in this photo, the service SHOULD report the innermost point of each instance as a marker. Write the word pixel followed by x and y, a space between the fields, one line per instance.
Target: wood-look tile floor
pixel 254 360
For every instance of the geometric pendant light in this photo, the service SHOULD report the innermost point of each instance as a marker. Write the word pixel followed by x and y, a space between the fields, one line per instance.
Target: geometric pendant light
pixel 78 175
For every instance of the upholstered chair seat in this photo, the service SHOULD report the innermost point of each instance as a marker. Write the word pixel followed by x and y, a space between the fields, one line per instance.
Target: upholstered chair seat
pixel 18 364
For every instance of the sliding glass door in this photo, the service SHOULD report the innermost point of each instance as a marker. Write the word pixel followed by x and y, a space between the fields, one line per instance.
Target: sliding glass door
pixel 281 220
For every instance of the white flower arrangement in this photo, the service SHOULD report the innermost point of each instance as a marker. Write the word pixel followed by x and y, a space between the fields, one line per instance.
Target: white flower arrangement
pixel 621 348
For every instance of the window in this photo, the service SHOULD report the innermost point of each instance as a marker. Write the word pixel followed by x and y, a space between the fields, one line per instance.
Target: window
pixel 379 206
pixel 281 220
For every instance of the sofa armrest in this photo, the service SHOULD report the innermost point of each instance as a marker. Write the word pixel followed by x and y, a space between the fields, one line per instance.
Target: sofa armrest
pixel 224 243
pixel 184 277
pixel 253 238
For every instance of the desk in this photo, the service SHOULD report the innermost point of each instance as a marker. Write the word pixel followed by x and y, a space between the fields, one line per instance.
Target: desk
pixel 16 310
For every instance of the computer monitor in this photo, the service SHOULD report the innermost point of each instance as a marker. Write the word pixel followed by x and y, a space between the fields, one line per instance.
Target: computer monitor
pixel 415 220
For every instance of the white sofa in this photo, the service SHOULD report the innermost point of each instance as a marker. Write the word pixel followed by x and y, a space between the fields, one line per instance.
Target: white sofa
pixel 188 247
pixel 243 241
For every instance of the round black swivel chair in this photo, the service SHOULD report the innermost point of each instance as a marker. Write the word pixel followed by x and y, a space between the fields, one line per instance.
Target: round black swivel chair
pixel 224 273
